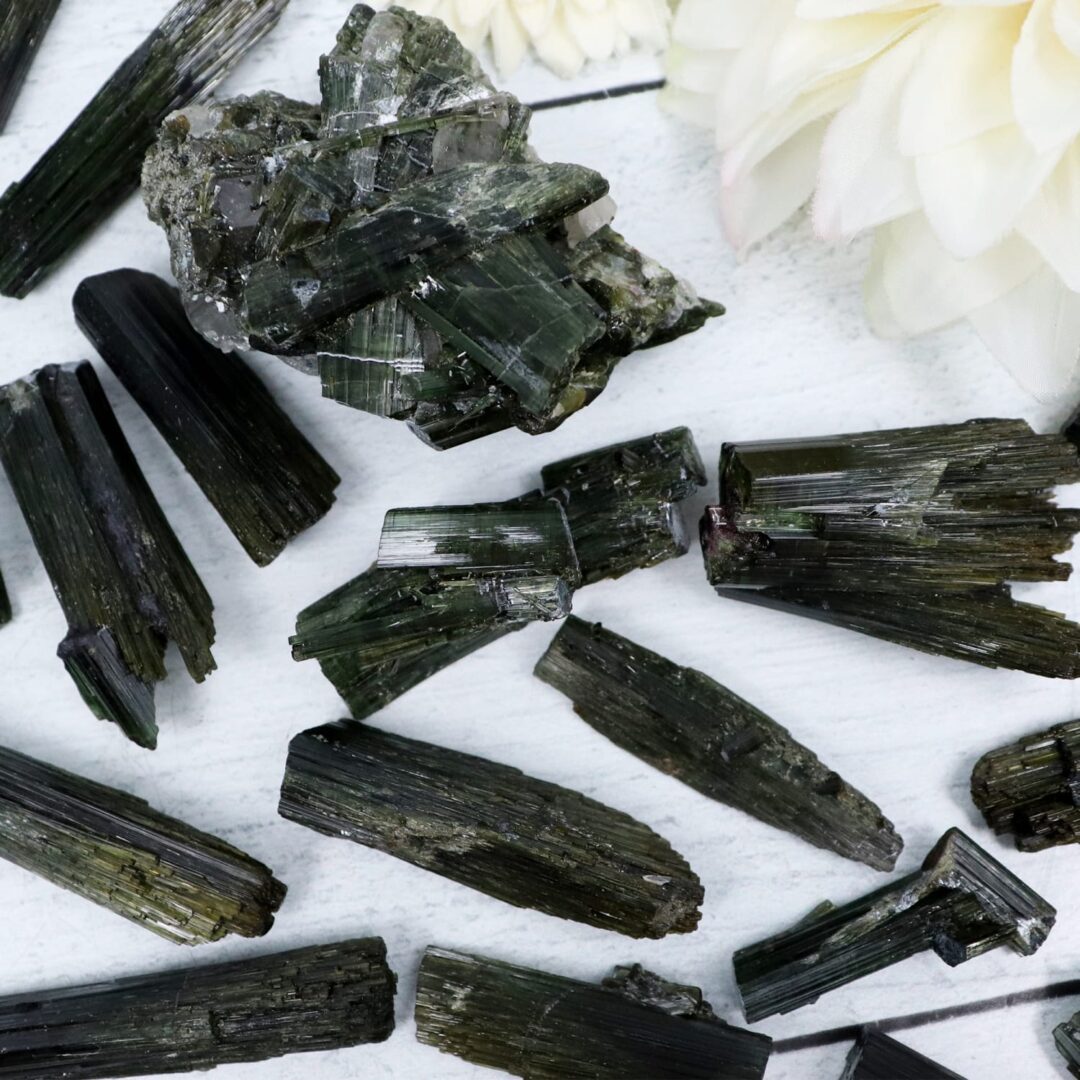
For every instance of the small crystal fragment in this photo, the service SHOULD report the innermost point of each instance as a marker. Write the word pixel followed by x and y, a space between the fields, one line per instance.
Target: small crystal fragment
pixel 1031 788
pixel 257 469
pixel 318 998
pixel 116 850
pixel 23 24
pixel 1067 1040
pixel 910 535
pixel 683 723
pixel 489 826
pixel 118 570
pixel 877 1057
pixel 95 163
pixel 962 904
pixel 547 1027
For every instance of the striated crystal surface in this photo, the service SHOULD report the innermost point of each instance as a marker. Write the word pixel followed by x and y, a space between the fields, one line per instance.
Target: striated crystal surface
pixel 877 1057
pixel 683 723
pixel 1067 1041
pixel 547 1027
pixel 23 24
pixel 489 826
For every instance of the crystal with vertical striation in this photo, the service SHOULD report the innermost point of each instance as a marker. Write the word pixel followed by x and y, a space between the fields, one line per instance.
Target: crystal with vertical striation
pixel 95 163
pixel 547 1027
pixel 116 850
pixel 961 904
pixel 683 723
pixel 253 464
pixel 323 997
pixel 23 24
pixel 489 826
pixel 877 1057
pixel 1067 1041
pixel 124 582
pixel 5 603
pixel 910 535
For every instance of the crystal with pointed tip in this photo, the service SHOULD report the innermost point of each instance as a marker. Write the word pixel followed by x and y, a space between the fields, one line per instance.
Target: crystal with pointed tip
pixel 23 24
pixel 877 1057
pixel 489 826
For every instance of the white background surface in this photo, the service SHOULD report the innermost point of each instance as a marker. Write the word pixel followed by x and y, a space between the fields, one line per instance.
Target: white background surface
pixel 793 357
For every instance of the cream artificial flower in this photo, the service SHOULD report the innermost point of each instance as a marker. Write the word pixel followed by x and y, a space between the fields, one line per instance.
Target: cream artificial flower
pixel 564 33
pixel 950 128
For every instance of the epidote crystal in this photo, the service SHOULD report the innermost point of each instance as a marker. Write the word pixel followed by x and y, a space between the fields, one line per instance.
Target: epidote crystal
pixel 22 28
pixel 319 998
pixel 877 1057
pixel 548 1027
pixel 961 904
pixel 909 535
pixel 117 851
pixel 682 722
pixel 95 163
pixel 257 469
pixel 489 826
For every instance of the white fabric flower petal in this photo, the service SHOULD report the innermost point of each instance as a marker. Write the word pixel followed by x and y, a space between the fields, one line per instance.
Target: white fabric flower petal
pixel 558 48
pixel 1050 220
pixel 836 9
pixel 592 26
pixel 535 15
pixel 644 21
pixel 1045 81
pixel 1067 24
pixel 509 42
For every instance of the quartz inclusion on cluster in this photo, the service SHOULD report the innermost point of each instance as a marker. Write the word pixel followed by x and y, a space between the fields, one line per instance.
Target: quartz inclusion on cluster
pixel 402 241
pixel 910 535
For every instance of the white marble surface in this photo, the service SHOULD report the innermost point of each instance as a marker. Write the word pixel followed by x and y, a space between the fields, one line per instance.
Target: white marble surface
pixel 792 357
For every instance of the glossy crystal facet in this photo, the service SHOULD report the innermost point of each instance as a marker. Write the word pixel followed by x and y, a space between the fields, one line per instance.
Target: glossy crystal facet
pixel 877 1057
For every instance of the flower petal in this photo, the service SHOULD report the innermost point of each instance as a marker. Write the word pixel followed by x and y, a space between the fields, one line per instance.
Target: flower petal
pixel 509 41
pixel 474 13
pixel 535 15
pixel 1067 24
pixel 1050 221
pixel 593 29
pixel 1045 81
pixel 644 21
pixel 837 9
pixel 717 24
pixel 558 49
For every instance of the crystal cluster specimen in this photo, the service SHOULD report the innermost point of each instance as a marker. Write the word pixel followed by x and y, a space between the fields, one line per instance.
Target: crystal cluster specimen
pixel 1067 1040
pixel 962 904
pixel 547 1027
pixel 402 241
pixel 877 1057
pixel 489 826
pixel 23 24
pixel 95 163
pixel 260 473
pixel 115 849
pixel 123 580
pixel 909 535
pixel 452 579
pixel 683 723
pixel 319 998
pixel 1031 788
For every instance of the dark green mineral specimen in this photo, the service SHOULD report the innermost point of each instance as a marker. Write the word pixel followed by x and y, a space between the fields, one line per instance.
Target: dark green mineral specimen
pixel 116 850
pixel 320 998
pixel 877 1057
pixel 962 904
pixel 489 826
pixel 1031 788
pixel 95 163
pixel 683 723
pixel 259 471
pixel 119 572
pixel 910 535
pixel 22 29
pixel 1067 1040
pixel 528 1023
pixel 402 241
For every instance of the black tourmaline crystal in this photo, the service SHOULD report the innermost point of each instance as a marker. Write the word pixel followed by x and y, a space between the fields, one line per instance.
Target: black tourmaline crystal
pixel 1067 1040
pixel 319 998
pixel 877 1057
pixel 1031 788
pixel 22 29
pixel 5 604
pixel 119 572
pixel 489 826
pixel 116 850
pixel 962 904
pixel 683 723
pixel 402 241
pixel 95 163
pixel 528 1023
pixel 910 535
pixel 261 474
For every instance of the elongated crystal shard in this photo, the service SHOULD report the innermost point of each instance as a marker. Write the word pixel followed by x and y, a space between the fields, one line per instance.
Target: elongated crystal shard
pixel 23 24
pixel 1067 1041
pixel 253 464
pixel 116 850
pixel 547 1027
pixel 319 998
pixel 910 535
pixel 95 163
pixel 961 904
pixel 683 723
pixel 489 826
pixel 5 603
pixel 123 580
pixel 877 1057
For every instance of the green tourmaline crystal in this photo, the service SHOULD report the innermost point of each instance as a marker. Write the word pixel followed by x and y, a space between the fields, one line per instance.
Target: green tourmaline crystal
pixel 1067 1041
pixel 489 826
pixel 115 849
pixel 877 1057
pixel 23 24
pixel 529 1023
pixel 685 724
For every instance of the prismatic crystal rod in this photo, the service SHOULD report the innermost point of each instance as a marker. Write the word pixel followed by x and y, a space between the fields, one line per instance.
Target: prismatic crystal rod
pixel 877 1057
pixel 23 24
